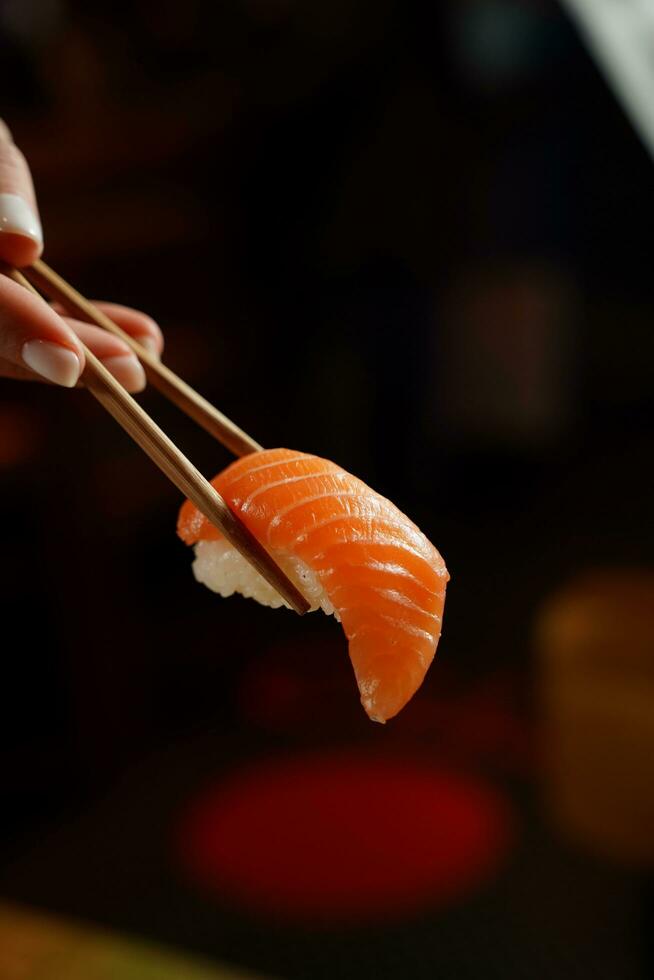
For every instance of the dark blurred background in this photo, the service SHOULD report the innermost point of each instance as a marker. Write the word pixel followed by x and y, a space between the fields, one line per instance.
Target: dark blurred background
pixel 413 238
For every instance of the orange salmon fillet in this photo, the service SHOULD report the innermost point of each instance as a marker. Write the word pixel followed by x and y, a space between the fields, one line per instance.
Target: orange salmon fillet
pixel 382 575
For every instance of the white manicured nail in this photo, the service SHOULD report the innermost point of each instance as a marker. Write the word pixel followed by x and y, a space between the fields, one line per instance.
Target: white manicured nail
pixel 52 361
pixel 18 218
pixel 126 369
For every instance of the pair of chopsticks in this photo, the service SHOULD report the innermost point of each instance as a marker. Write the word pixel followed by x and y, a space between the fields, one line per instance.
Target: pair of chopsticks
pixel 155 443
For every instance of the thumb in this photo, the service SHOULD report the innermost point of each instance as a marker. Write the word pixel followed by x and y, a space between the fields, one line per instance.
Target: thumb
pixel 33 337
pixel 21 239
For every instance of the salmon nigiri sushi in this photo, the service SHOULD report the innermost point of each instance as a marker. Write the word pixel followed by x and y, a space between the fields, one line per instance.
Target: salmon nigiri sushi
pixel 349 550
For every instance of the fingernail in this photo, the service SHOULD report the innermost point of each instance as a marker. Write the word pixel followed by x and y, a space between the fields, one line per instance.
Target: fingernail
pixel 127 369
pixel 18 218
pixel 150 344
pixel 52 361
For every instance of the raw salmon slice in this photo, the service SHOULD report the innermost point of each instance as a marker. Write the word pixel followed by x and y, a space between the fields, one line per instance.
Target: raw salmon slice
pixel 349 550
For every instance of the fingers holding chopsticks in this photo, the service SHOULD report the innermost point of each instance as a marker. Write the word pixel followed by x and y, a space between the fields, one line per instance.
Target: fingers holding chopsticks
pixel 36 343
pixel 40 341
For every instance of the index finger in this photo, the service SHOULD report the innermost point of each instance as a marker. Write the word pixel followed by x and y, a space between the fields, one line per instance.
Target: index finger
pixel 21 238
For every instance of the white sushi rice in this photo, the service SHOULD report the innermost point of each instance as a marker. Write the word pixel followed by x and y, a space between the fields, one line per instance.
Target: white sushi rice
pixel 223 570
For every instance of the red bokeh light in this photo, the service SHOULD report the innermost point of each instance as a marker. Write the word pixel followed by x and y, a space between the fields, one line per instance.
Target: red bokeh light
pixel 344 837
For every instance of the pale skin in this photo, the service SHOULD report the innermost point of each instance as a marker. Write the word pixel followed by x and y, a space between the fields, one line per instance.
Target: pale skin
pixel 37 341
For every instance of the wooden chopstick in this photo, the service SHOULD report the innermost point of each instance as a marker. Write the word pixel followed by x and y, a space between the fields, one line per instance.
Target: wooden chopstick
pixel 129 414
pixel 159 376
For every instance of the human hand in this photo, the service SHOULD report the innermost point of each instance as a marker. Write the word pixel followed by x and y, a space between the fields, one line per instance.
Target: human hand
pixel 38 341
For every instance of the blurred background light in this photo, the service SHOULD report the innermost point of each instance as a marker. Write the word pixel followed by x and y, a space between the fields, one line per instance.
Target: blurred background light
pixel 499 42
pixel 344 838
